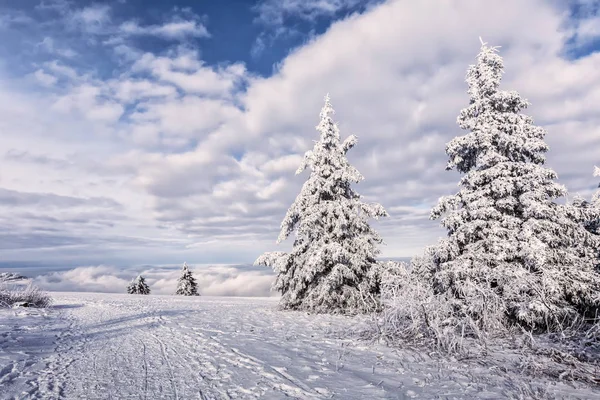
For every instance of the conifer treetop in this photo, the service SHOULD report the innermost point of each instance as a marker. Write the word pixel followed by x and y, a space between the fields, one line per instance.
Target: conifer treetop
pixel 330 171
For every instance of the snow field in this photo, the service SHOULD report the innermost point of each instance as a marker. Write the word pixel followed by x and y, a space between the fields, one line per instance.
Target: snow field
pixel 106 346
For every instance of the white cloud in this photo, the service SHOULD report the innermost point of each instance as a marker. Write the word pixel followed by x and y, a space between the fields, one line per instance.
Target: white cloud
pixel 92 19
pixel 587 31
pixel 170 30
pixel 274 12
pixel 95 14
pixel 131 90
pixel 87 100
pixel 10 19
pixel 48 45
pixel 61 69
pixel 44 78
pixel 202 157
pixel 189 74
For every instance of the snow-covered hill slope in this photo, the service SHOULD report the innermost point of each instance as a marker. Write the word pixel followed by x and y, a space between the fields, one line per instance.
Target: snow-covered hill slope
pixel 106 346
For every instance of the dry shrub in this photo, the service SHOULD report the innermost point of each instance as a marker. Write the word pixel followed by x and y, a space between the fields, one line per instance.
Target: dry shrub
pixel 29 296
pixel 412 312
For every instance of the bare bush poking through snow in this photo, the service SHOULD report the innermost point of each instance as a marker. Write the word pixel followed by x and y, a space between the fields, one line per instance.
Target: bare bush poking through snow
pixel 414 313
pixel 335 248
pixel 24 296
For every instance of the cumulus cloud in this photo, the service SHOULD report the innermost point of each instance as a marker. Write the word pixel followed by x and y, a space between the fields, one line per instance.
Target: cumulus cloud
pixel 44 78
pixel 213 280
pixel 274 12
pixel 48 44
pixel 187 72
pixel 91 19
pixel 202 157
pixel 169 30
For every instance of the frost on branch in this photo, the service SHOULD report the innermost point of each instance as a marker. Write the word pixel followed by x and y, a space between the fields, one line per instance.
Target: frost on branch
pixel 349 143
pixel 595 218
pixel 274 259
pixel 512 252
pixel 186 284
pixel 138 286
pixel 331 267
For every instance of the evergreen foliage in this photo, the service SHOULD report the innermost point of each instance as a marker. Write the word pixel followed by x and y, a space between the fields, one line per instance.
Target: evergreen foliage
pixel 591 208
pixel 186 284
pixel 330 268
pixel 138 286
pixel 511 252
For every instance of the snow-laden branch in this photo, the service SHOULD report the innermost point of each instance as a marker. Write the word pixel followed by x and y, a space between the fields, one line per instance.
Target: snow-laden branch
pixel 305 162
pixel 349 143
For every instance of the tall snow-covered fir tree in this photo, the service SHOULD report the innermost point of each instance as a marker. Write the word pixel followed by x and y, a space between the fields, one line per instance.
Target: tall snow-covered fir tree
pixel 186 284
pixel 138 286
pixel 331 265
pixel 508 242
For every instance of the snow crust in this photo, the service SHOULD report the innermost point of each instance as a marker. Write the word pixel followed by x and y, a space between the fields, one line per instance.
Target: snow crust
pixel 99 346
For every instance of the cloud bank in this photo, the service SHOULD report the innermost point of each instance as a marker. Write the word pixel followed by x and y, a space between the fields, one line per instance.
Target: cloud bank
pixel 213 280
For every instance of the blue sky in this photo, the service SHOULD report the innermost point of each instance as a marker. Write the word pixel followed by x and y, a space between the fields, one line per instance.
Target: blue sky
pixel 259 34
pixel 153 132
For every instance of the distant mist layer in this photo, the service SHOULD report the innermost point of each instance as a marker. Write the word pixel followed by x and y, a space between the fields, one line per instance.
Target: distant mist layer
pixel 213 279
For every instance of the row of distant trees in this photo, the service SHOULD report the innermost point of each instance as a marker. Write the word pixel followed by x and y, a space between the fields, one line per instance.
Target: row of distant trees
pixel 186 284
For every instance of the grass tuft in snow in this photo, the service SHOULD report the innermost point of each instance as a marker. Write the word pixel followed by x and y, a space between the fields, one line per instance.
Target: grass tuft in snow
pixel 27 296
pixel 476 327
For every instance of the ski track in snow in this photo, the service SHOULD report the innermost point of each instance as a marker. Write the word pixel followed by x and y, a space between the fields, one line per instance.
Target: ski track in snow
pixel 106 346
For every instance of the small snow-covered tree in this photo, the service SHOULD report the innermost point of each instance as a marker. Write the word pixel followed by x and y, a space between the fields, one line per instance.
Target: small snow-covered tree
pixel 592 224
pixel 186 284
pixel 510 247
pixel 331 264
pixel 138 286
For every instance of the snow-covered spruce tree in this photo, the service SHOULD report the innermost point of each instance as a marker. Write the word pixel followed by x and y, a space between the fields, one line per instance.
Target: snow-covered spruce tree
pixel 186 284
pixel 138 286
pixel 512 254
pixel 330 268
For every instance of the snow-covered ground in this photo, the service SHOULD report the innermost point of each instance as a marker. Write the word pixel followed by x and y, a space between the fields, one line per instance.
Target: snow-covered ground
pixel 107 346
